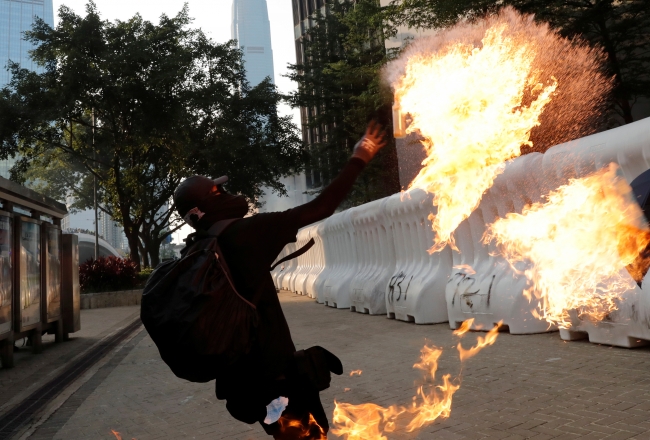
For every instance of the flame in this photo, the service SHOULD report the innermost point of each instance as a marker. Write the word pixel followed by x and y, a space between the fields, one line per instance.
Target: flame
pixel 466 101
pixel 357 372
pixel 369 421
pixel 117 435
pixel 364 422
pixel 429 360
pixel 437 402
pixel 464 327
pixel 469 270
pixel 434 404
pixel 489 339
pixel 298 430
pixel 578 243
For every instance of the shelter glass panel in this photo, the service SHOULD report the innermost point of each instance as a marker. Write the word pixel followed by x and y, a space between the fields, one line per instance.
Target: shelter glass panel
pixel 30 273
pixel 53 273
pixel 6 273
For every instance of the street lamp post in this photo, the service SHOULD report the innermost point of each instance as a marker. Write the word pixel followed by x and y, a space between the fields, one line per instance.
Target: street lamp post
pixel 95 193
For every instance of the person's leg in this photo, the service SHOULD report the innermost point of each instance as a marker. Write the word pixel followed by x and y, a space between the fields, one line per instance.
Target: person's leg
pixel 307 375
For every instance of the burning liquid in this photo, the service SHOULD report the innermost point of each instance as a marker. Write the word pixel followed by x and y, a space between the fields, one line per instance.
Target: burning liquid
pixel 296 429
pixel 370 421
pixel 475 92
pixel 579 243
pixel 117 435
pixel 489 339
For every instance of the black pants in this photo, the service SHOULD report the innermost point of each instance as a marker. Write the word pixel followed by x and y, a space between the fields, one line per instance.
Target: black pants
pixel 307 374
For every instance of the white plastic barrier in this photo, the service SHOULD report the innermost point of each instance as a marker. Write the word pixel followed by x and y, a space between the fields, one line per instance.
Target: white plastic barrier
pixel 298 274
pixel 386 241
pixel 339 233
pixel 483 285
pixel 330 257
pixel 629 146
pixel 416 288
pixel 376 256
pixel 288 267
pixel 629 326
pixel 317 254
pixel 279 269
pixel 307 262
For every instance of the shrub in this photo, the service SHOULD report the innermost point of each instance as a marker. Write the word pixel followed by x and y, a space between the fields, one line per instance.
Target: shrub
pixel 106 274
pixel 144 275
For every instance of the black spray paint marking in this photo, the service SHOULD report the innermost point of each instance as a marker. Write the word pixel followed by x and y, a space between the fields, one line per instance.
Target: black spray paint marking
pixel 397 281
pixel 490 291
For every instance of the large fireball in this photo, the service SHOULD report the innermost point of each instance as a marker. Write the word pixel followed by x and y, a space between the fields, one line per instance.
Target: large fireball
pixel 579 243
pixel 474 95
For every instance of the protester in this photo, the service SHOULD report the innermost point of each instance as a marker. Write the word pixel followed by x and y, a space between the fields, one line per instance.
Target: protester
pixel 258 383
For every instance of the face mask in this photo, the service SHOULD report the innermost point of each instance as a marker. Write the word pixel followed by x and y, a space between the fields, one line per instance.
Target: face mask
pixel 216 208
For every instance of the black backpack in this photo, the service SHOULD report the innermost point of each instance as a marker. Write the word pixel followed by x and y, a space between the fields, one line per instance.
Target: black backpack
pixel 193 312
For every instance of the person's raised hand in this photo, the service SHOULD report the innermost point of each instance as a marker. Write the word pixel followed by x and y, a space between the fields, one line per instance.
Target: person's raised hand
pixel 371 142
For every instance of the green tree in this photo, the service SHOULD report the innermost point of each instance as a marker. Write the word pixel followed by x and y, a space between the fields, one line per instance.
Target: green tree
pixel 140 106
pixel 620 27
pixel 339 90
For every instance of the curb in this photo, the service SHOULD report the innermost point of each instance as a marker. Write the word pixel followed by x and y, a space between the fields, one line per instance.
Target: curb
pixel 111 299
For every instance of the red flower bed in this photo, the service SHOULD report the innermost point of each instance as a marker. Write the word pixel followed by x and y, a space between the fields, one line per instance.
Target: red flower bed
pixel 107 274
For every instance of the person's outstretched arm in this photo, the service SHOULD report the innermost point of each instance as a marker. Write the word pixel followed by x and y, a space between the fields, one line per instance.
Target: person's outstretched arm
pixel 331 197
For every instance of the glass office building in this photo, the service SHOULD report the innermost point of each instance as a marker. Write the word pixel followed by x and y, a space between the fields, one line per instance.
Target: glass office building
pixel 252 30
pixel 16 17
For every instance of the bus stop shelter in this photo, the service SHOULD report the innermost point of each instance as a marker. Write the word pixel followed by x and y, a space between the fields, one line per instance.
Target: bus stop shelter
pixel 39 270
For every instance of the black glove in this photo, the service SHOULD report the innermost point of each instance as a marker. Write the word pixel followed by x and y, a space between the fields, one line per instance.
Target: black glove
pixel 313 366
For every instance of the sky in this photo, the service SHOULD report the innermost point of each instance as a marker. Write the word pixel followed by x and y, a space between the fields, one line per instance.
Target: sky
pixel 214 18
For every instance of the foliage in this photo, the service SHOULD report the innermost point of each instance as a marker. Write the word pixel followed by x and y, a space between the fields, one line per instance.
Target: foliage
pixel 107 274
pixel 620 27
pixel 340 90
pixel 144 275
pixel 140 106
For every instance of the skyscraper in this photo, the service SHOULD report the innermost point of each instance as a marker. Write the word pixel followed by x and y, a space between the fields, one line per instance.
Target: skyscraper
pixel 16 17
pixel 252 30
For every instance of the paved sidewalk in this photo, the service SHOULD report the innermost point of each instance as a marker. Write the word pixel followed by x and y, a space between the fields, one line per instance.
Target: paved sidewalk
pixel 31 371
pixel 533 386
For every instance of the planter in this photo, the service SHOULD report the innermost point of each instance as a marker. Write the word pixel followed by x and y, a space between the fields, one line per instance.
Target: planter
pixel 103 300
